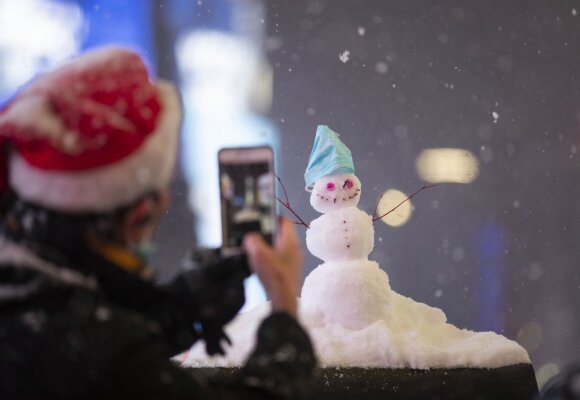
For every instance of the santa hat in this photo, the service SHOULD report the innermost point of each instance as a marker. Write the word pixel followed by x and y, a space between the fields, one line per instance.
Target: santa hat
pixel 329 156
pixel 91 136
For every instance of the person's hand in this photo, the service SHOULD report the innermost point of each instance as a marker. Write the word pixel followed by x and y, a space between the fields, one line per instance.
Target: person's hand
pixel 211 287
pixel 278 267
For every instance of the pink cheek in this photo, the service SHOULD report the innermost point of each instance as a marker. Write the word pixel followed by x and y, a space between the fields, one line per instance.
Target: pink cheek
pixel 349 184
pixel 330 186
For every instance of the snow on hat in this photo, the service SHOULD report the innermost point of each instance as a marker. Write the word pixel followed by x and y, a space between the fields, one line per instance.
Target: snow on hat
pixel 329 156
pixel 93 135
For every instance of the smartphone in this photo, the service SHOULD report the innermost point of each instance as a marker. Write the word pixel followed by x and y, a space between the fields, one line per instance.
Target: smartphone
pixel 247 195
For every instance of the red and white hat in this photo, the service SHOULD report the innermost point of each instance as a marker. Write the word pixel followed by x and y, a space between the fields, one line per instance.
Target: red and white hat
pixel 93 135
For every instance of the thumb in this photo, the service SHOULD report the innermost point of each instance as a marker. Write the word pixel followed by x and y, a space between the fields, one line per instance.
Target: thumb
pixel 286 238
pixel 257 250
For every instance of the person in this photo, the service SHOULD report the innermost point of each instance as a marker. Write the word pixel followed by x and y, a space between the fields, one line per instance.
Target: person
pixel 87 154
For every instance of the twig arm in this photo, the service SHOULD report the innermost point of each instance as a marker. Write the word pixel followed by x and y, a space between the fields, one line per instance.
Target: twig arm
pixel 398 205
pixel 287 205
pixel 377 205
pixel 289 208
pixel 284 189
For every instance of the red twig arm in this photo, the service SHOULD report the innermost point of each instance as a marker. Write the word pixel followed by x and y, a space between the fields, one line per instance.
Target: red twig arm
pixel 284 190
pixel 288 207
pixel 377 205
pixel 398 205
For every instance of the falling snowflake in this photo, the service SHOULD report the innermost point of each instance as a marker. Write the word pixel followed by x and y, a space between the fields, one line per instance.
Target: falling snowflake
pixel 381 67
pixel 344 56
pixel 574 12
pixel 361 31
pixel 495 116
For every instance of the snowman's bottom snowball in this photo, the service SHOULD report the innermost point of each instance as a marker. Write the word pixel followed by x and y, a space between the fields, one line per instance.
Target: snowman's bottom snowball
pixel 354 294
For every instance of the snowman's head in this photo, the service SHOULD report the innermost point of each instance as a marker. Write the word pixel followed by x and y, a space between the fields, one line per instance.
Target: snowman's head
pixel 335 191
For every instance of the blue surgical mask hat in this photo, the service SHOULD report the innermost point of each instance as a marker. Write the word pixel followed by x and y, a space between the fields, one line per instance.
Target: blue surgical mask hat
pixel 329 156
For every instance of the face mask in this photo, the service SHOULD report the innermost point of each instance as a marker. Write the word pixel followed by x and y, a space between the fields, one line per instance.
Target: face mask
pixel 144 251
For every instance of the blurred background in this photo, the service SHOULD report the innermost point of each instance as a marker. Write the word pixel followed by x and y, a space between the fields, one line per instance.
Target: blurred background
pixel 480 96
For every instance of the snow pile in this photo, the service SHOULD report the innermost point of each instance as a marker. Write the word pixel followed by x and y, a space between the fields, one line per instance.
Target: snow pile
pixel 414 335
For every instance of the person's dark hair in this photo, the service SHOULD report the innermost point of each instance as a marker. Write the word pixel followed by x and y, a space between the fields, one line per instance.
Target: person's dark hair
pixel 35 225
pixel 6 200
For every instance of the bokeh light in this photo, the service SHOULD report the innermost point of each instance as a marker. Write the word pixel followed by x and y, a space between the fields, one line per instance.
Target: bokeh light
pixel 447 165
pixel 35 35
pixel 546 372
pixel 530 336
pixel 389 200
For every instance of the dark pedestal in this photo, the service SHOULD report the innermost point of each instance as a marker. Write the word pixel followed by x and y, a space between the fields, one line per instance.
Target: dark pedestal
pixel 515 382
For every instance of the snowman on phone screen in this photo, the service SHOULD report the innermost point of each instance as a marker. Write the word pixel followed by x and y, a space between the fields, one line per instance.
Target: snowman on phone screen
pixel 347 289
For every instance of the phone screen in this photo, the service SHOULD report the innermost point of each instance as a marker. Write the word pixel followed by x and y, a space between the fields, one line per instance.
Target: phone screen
pixel 247 191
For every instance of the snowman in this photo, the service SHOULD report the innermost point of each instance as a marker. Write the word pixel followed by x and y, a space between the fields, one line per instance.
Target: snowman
pixel 347 305
pixel 347 289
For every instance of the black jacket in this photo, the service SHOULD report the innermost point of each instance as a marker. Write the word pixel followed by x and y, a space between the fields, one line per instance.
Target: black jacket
pixel 95 331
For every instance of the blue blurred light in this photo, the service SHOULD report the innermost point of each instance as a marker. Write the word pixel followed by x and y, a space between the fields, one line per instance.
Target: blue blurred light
pixel 121 22
pixel 491 245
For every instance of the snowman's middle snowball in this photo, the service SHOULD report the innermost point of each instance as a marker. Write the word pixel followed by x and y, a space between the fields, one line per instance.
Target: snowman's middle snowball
pixel 340 235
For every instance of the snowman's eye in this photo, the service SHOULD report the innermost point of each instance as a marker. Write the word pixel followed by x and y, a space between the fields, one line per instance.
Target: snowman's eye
pixel 330 186
pixel 348 184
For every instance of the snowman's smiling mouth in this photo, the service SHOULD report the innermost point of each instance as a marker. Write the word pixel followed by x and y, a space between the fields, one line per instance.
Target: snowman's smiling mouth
pixel 328 198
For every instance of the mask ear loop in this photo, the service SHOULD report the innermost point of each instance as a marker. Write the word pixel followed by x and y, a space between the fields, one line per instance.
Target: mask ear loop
pixel 135 219
pixel 145 209
pixel 144 213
